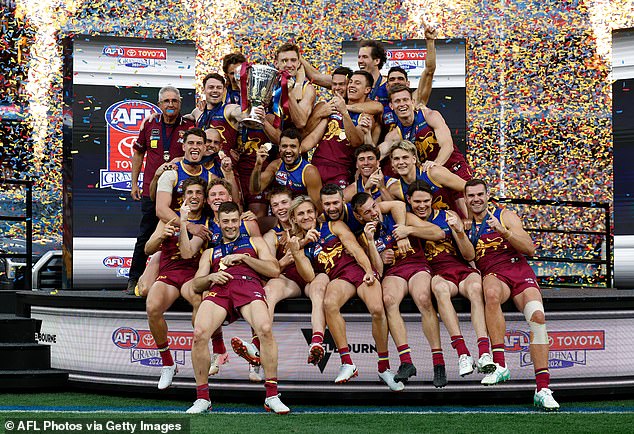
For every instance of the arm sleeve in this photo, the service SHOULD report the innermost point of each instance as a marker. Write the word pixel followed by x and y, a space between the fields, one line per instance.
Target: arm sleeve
pixel 167 181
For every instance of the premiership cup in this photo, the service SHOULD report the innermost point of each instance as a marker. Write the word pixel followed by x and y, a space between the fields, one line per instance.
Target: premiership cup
pixel 261 80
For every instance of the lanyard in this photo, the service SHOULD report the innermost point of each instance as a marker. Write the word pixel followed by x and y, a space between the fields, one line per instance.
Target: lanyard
pixel 376 87
pixel 208 115
pixel 167 140
pixel 410 133
pixel 474 237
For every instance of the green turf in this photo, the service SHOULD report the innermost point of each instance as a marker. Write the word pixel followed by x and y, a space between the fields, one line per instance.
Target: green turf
pixel 537 422
pixel 371 423
pixel 110 400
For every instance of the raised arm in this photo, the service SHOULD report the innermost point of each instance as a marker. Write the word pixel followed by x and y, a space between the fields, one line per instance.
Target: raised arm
pixel 421 96
pixel 390 138
pixel 370 107
pixel 313 74
pixel 187 247
pixel 443 135
pixel 302 263
pixel 354 133
pixel 313 138
pixel 259 180
pixel 367 242
pixel 322 110
pixel 457 231
pixel 166 183
pixel 313 185
pixel 300 110
pixel 420 229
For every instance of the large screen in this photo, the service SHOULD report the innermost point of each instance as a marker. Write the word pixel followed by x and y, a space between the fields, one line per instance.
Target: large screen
pixel 115 85
pixel 623 135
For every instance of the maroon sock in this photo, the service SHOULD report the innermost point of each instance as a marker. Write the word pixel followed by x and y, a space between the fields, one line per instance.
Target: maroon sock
pixel 344 353
pixel 498 354
pixel 437 357
pixel 202 392
pixel 270 384
pixel 542 377
pixel 404 353
pixel 256 341
pixel 166 355
pixel 457 342
pixel 384 361
pixel 318 338
pixel 217 342
pixel 483 346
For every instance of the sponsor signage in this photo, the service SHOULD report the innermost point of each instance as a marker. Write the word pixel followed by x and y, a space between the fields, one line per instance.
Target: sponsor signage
pixel 123 123
pixel 136 57
pixel 567 348
pixel 120 342
pixel 142 347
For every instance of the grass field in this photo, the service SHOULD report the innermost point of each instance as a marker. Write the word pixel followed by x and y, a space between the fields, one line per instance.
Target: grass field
pixel 80 408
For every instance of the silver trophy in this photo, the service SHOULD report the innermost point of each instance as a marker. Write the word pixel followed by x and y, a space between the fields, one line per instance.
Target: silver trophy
pixel 261 80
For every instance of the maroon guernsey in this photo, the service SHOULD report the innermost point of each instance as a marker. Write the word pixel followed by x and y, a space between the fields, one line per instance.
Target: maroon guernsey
pixel 150 142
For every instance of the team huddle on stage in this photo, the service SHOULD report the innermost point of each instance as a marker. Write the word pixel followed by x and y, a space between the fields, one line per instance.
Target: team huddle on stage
pixel 361 194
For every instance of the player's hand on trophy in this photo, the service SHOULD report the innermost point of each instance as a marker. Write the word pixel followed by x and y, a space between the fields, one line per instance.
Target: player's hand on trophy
pixel 260 113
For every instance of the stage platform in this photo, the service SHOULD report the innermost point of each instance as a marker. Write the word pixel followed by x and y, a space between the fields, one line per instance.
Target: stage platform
pixel 102 339
pixel 555 299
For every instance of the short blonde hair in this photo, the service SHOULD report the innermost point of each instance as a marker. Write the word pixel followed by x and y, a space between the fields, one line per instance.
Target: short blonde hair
pixel 406 146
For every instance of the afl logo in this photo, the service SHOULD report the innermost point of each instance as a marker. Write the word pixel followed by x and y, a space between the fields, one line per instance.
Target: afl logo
pixel 516 341
pixel 113 261
pixel 125 337
pixel 112 51
pixel 127 116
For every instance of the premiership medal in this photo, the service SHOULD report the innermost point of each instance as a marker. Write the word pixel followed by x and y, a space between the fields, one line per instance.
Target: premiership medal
pixel 166 156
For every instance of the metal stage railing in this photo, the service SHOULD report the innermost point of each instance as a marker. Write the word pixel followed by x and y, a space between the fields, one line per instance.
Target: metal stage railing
pixel 583 254
pixel 27 218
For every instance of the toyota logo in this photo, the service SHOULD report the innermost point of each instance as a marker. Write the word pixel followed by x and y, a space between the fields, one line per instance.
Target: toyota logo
pixel 125 146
